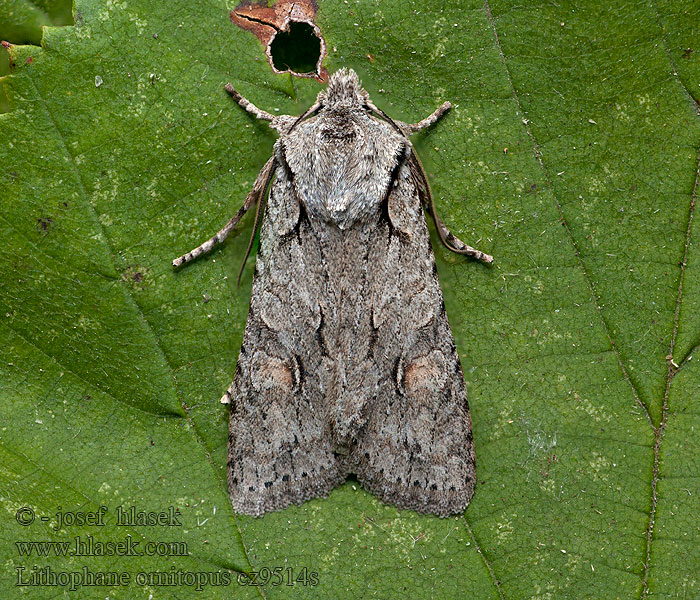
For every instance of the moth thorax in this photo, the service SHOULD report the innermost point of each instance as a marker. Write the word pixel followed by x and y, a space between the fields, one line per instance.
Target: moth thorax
pixel 339 126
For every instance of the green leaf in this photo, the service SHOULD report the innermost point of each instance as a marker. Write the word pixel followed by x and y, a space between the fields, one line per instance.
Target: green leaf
pixel 571 155
pixel 21 22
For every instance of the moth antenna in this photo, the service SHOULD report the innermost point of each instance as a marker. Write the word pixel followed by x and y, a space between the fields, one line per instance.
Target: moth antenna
pixel 384 116
pixel 307 113
pixel 258 212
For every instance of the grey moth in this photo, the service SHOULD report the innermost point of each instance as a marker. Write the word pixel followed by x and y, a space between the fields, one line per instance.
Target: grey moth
pixel 348 364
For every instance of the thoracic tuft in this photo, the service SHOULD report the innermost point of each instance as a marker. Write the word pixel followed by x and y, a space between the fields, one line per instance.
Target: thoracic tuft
pixel 344 90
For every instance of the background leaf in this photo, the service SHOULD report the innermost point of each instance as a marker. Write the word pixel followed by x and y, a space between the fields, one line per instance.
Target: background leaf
pixel 21 22
pixel 571 155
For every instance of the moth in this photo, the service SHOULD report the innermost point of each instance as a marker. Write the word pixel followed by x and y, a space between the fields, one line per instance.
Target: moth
pixel 348 364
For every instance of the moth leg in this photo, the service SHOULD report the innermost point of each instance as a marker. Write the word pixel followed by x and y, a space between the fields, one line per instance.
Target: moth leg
pixel 253 197
pixel 282 123
pixel 430 119
pixel 248 105
pixel 456 245
pixel 450 241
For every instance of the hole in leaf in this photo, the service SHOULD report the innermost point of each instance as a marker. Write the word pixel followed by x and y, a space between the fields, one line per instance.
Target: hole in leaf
pixel 297 50
pixel 293 42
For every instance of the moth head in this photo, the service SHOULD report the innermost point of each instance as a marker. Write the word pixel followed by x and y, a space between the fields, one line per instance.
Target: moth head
pixel 344 91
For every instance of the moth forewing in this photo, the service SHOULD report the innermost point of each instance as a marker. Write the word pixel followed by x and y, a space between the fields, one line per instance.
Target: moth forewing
pixel 348 364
